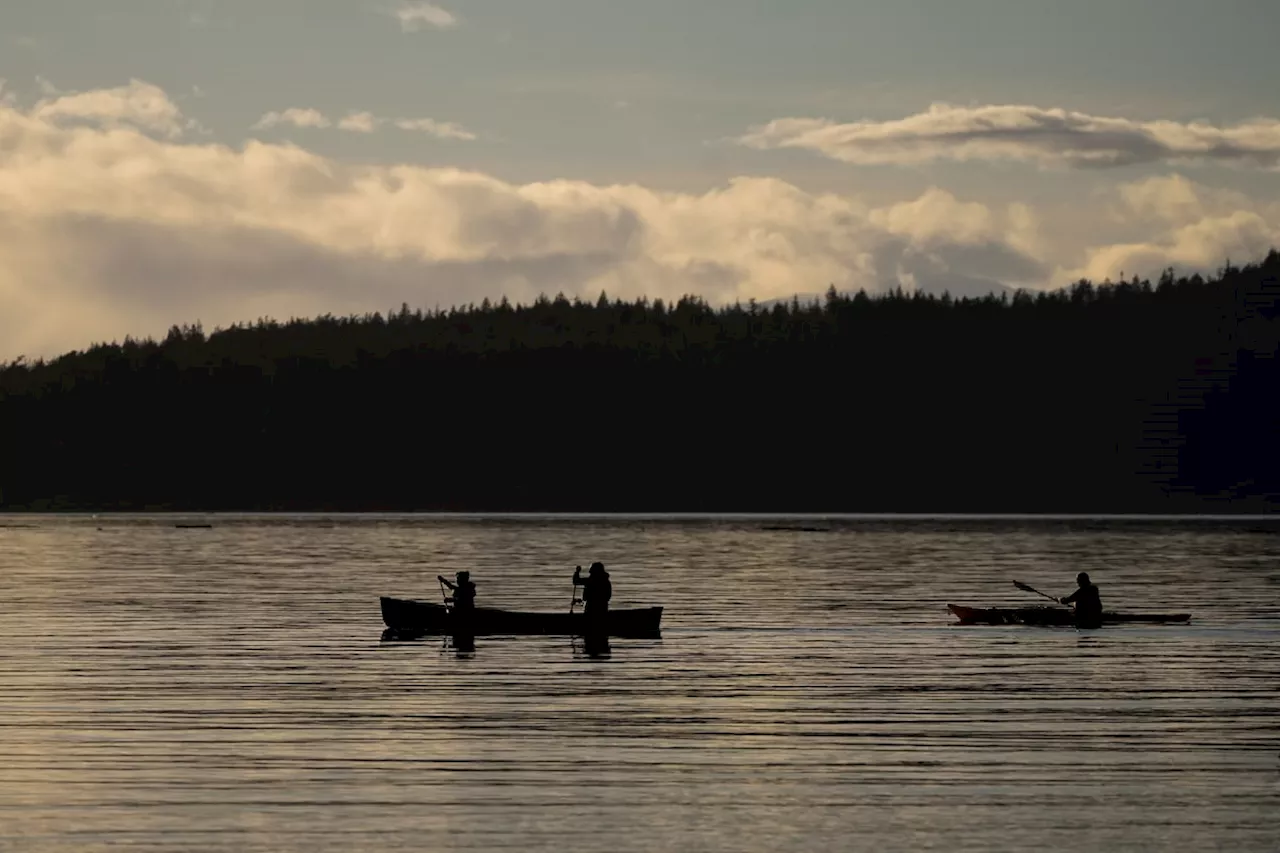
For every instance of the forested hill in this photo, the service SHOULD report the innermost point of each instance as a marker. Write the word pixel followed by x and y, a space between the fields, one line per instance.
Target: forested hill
pixel 1137 397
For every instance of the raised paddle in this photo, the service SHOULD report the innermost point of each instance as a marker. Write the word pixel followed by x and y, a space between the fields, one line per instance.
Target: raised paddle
pixel 1025 588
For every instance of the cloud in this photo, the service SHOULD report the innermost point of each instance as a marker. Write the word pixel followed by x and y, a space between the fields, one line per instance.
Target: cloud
pixel 1188 226
pixel 1046 137
pixel 415 16
pixel 295 116
pixel 359 123
pixel 138 105
pixel 441 129
pixel 1204 244
pixel 1171 197
pixel 112 231
pixel 362 122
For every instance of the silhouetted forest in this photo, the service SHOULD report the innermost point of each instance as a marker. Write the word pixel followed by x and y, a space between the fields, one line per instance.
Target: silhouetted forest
pixel 1130 397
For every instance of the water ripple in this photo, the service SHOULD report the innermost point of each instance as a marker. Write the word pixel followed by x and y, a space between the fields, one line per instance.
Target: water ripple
pixel 227 688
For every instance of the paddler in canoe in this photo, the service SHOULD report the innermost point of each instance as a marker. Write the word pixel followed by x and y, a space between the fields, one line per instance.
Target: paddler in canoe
pixel 464 592
pixel 1087 601
pixel 596 591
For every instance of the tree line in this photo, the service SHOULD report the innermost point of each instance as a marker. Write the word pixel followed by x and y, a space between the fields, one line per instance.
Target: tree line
pixel 1121 397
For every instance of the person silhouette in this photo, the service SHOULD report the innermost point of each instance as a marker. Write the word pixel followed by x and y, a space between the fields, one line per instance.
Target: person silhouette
pixel 596 591
pixel 464 591
pixel 1087 601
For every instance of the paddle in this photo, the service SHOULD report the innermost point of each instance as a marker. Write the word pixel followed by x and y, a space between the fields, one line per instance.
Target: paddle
pixel 444 593
pixel 574 600
pixel 1026 588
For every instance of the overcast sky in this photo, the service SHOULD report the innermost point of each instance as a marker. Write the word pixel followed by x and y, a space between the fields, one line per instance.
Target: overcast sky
pixel 168 161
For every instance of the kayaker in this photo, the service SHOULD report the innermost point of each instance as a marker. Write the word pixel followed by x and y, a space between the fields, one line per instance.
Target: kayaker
pixel 596 589
pixel 1087 601
pixel 464 591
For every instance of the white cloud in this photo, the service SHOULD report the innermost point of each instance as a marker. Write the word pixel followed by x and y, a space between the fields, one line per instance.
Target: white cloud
pixel 362 122
pixel 295 116
pixel 1047 137
pixel 1188 226
pixel 105 233
pixel 441 129
pixel 359 123
pixel 1171 197
pixel 138 104
pixel 415 16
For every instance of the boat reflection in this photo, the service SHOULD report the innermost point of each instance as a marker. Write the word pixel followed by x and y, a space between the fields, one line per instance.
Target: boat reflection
pixel 596 646
pixel 395 635
pixel 463 645
pixel 593 646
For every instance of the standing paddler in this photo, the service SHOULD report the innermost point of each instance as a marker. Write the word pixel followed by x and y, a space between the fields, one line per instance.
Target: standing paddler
pixel 596 592
pixel 464 603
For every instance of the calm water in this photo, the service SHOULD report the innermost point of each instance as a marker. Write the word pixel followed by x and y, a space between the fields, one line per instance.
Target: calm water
pixel 226 689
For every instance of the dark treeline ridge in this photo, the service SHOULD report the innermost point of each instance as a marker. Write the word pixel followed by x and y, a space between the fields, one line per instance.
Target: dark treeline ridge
pixel 1128 397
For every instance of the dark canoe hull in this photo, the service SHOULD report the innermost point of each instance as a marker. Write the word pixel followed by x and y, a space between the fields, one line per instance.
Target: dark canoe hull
pixel 419 617
pixel 1053 616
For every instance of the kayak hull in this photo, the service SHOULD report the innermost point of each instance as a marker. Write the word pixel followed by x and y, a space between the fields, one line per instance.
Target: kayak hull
pixel 1053 616
pixel 403 616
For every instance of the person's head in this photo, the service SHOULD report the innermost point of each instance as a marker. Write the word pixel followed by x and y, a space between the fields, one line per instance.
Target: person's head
pixel 463 577
pixel 1082 579
pixel 597 568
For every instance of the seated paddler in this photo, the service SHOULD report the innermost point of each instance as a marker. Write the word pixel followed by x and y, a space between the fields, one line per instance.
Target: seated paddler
pixel 1087 601
pixel 596 589
pixel 464 591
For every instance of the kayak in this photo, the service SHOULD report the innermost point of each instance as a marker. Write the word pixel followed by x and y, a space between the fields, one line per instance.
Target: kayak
pixel 1053 616
pixel 420 617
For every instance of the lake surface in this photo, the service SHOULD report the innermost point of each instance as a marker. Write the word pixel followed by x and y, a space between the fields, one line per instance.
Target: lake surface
pixel 227 689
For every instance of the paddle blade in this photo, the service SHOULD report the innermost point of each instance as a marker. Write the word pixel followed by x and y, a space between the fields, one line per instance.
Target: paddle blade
pixel 1022 586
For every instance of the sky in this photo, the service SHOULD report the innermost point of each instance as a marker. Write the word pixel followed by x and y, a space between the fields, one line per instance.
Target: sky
pixel 218 161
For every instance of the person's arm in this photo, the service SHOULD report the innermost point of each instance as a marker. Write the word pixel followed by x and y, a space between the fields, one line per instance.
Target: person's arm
pixel 1070 598
pixel 577 577
pixel 445 582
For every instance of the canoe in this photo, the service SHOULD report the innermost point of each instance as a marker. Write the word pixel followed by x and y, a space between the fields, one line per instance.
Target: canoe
pixel 1052 616
pixel 420 617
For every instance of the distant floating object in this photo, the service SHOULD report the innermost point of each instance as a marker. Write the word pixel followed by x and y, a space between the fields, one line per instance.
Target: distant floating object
pixel 193 526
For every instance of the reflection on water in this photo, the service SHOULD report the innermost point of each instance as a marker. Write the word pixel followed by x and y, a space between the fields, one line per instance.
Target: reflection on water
pixel 229 688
